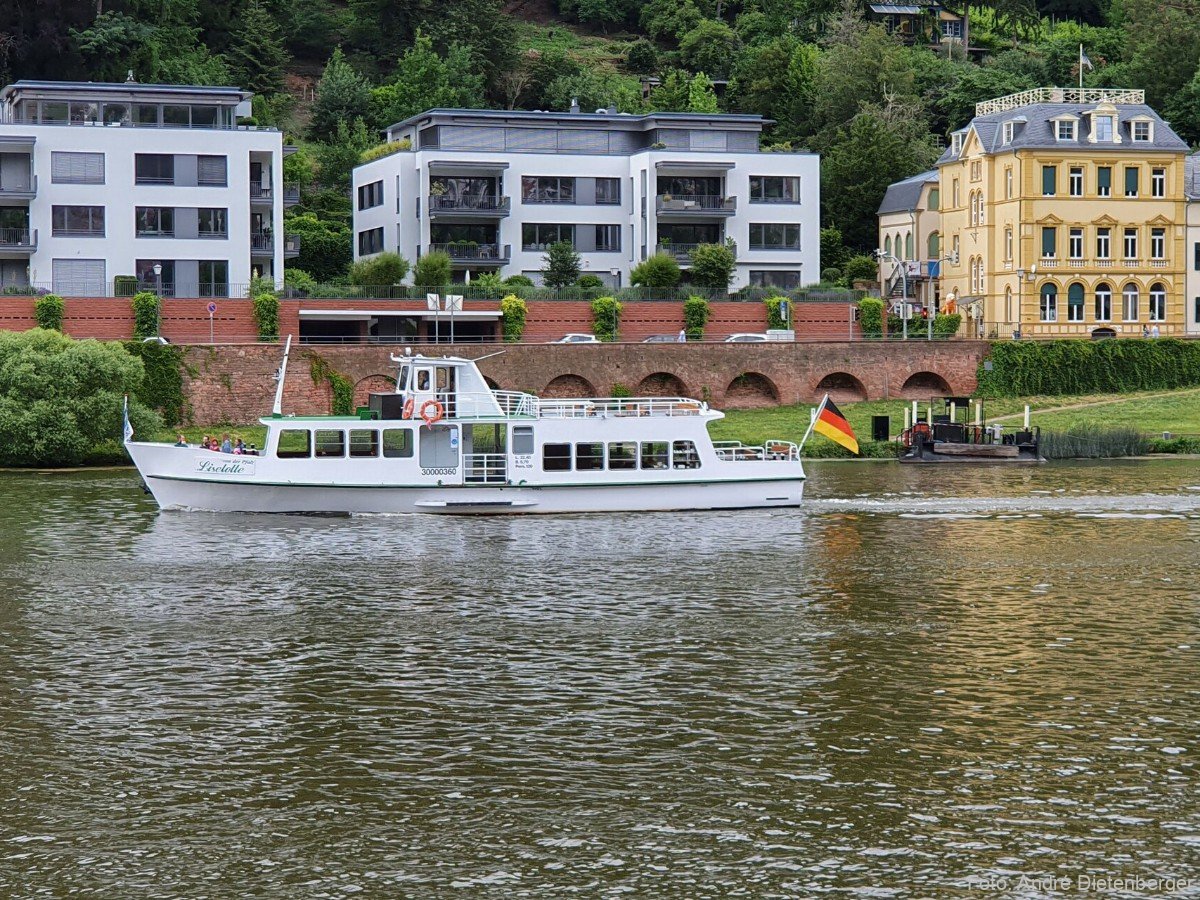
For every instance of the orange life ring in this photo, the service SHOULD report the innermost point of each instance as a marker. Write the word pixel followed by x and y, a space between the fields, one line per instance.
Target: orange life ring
pixel 436 415
pixel 407 412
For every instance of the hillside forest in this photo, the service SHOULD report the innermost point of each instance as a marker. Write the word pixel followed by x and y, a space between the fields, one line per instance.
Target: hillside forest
pixel 332 73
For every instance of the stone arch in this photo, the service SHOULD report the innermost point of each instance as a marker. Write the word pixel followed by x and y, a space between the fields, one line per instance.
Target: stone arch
pixel 751 390
pixel 372 384
pixel 842 388
pixel 921 385
pixel 661 384
pixel 568 387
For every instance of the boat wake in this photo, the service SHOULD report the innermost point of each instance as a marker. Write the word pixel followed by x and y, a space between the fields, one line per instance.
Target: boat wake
pixel 1123 506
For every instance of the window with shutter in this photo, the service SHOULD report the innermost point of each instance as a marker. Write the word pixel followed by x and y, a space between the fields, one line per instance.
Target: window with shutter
pixel 76 168
pixel 1104 181
pixel 1049 180
pixel 1049 241
pixel 210 171
pixel 1131 181
pixel 79 277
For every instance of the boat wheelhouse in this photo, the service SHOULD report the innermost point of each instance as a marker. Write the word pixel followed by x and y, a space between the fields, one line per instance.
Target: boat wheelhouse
pixel 446 442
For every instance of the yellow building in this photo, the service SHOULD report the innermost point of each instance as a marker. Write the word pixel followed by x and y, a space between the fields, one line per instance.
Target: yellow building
pixel 1065 209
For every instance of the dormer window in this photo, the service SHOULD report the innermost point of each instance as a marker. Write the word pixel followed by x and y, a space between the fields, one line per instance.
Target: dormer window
pixel 1102 128
pixel 1065 129
pixel 956 143
pixel 1143 132
pixel 1007 130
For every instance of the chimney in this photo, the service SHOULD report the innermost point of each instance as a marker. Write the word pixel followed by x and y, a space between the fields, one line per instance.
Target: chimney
pixel 574 106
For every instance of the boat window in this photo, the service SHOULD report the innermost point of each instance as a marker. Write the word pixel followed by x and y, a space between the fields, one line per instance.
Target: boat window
pixel 522 440
pixel 402 379
pixel 654 455
pixel 589 457
pixel 443 378
pixel 684 455
pixel 397 443
pixel 364 442
pixel 293 444
pixel 622 455
pixel 556 457
pixel 330 443
pixel 422 379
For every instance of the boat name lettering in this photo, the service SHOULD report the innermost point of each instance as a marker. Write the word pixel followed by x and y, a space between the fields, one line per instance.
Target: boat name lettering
pixel 448 471
pixel 225 466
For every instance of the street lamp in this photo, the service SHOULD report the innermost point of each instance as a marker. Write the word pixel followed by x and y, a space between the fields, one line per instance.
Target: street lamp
pixel 158 299
pixel 882 254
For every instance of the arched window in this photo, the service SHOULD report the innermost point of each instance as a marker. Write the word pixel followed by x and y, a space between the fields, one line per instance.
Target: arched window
pixel 1008 307
pixel 908 246
pixel 887 245
pixel 1129 303
pixel 1008 243
pixel 935 246
pixel 1075 302
pixel 974 277
pixel 981 218
pixel 1049 305
pixel 1158 302
pixel 974 210
pixel 1103 302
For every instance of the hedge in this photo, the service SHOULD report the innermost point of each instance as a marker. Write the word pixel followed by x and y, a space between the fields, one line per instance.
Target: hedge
pixel 1071 367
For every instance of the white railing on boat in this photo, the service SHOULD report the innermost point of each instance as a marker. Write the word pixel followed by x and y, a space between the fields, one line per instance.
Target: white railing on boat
pixel 485 468
pixel 483 404
pixel 620 406
pixel 736 451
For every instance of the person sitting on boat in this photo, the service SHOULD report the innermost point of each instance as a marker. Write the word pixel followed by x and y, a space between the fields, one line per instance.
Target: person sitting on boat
pixel 182 442
pixel 226 443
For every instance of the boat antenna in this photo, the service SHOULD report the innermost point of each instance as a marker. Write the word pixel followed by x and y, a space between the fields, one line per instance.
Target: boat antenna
pixel 277 409
pixel 489 356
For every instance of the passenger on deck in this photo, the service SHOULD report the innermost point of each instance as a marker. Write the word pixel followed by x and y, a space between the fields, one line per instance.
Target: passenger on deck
pixel 240 446
pixel 226 444
pixel 182 442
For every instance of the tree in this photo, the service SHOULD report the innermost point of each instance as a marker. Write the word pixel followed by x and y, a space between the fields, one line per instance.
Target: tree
pixel 669 20
pixel 432 270
pixel 561 265
pixel 701 97
pixel 1155 34
pixel 659 271
pixel 833 251
pixel 256 57
pixel 381 269
pixel 709 47
pixel 776 80
pixel 342 96
pixel 341 154
pixel 424 80
pixel 641 58
pixel 599 13
pixel 860 268
pixel 672 94
pixel 712 266
pixel 325 246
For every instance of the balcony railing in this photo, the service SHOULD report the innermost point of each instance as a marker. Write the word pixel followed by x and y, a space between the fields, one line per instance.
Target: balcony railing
pixel 291 194
pixel 472 251
pixel 714 204
pixel 261 191
pixel 486 204
pixel 681 252
pixel 263 243
pixel 18 238
pixel 27 187
pixel 291 245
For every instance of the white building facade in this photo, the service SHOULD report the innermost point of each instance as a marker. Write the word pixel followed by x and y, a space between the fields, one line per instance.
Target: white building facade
pixel 495 189
pixel 110 188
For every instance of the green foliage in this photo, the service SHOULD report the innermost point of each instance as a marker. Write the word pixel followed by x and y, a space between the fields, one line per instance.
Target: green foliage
pixel 523 281
pixel 870 316
pixel 641 58
pixel 1049 368
pixel 49 311
pixel 381 150
pixel 669 20
pixel 701 96
pixel 606 318
pixel 833 251
pixel 162 386
pixel 255 56
pixel 775 312
pixel 145 314
pixel 512 315
pixel 830 275
pixel 432 270
pixel 124 285
pixel 709 47
pixel 1088 441
pixel 1175 445
pixel 266 317
pixel 862 267
pixel 325 246
pixel 696 311
pixel 342 96
pixel 946 324
pixel 381 269
pixel 713 265
pixel 261 284
pixel 659 271
pixel 561 265
pixel 620 390
pixel 342 152
pixel 591 282
pixel 426 80
pixel 298 280
pixel 342 388
pixel 60 398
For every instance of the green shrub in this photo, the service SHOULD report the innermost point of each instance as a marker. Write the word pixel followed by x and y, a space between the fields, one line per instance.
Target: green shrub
pixel 162 386
pixel 1050 368
pixel 145 314
pixel 621 390
pixel 341 387
pixel 266 317
pixel 1090 441
pixel 512 314
pixel 513 281
pixel 946 324
pixel 696 311
pixel 830 275
pixel 488 283
pixel 860 268
pixel 591 282
pixel 60 399
pixel 712 265
pixel 775 312
pixel 381 269
pixel 382 150
pixel 299 281
pixel 49 311
pixel 561 265
pixel 660 272
pixel 1175 445
pixel 124 285
pixel 606 318
pixel 432 270
pixel 870 316
pixel 261 284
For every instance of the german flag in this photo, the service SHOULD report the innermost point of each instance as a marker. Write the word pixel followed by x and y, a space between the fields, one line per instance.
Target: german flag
pixel 831 423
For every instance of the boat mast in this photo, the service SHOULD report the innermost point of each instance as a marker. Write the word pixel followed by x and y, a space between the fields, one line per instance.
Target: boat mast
pixel 277 409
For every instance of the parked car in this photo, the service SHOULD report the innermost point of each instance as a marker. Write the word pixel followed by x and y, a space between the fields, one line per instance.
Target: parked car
pixel 746 338
pixel 577 339
pixel 662 339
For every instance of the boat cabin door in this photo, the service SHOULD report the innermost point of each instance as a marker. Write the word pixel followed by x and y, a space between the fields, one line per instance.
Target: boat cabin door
pixel 432 382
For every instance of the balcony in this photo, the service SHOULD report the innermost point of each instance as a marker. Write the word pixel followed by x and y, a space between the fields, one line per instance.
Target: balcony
pixel 291 194
pixel 469 253
pixel 469 207
pixel 1048 262
pixel 18 189
pixel 1159 263
pixel 681 252
pixel 17 241
pixel 291 246
pixel 264 245
pixel 261 193
pixel 695 204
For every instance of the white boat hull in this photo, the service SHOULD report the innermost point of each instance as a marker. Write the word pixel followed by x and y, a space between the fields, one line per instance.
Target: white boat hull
pixel 178 494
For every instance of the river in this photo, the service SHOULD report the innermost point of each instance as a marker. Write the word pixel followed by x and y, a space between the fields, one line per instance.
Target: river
pixel 929 679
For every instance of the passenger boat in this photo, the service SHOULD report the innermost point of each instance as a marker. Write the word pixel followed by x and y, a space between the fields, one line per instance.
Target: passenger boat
pixel 446 442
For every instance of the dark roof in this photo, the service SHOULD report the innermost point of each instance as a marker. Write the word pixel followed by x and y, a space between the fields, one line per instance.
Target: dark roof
pixel 122 88
pixel 904 195
pixel 890 9
pixel 1191 184
pixel 1035 130
pixel 633 122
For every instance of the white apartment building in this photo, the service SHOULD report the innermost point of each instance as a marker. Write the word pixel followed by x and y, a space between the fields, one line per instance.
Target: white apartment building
pixel 495 189
pixel 154 182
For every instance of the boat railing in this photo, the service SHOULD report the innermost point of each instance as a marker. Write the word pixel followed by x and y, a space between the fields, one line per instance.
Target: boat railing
pixel 485 468
pixel 775 451
pixel 956 433
pixel 620 406
pixel 482 404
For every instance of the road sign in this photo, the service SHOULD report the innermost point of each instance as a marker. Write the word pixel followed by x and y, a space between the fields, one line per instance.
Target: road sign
pixel 212 308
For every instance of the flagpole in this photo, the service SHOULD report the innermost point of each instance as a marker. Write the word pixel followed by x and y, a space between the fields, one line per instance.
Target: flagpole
pixel 1081 67
pixel 811 422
